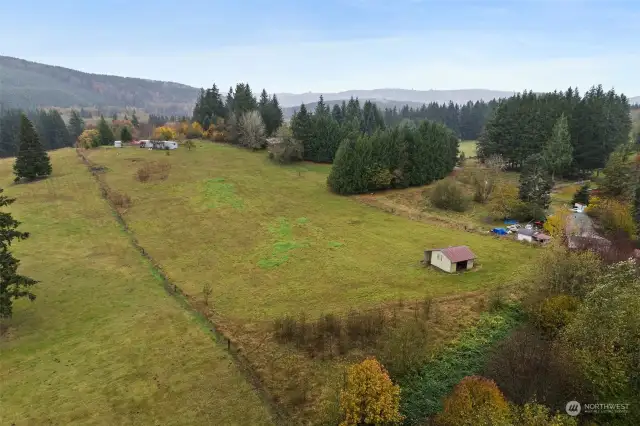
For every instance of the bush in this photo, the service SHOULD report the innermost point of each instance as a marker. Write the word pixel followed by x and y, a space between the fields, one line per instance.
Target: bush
pixel 561 271
pixel 475 401
pixel 152 170
pixel 251 130
pixel 119 199
pixel 532 414
pixel 89 139
pixel 526 365
pixel 504 202
pixel 164 133
pixel 404 349
pixel 613 215
pixel 369 396
pixel 449 195
pixel 285 149
pixel 553 313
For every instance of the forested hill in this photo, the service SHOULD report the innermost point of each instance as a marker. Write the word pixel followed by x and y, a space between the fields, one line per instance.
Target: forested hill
pixel 29 85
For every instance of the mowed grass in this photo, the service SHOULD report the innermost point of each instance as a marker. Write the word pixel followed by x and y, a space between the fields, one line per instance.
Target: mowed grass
pixel 272 240
pixel 103 344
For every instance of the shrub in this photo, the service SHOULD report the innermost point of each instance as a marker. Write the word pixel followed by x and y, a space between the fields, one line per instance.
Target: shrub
pixel 553 313
pixel 285 149
pixel 404 349
pixel 556 224
pixel 475 401
pixel 526 365
pixel 532 414
pixel 449 195
pixel 119 199
pixel 369 396
pixel 504 202
pixel 89 139
pixel 614 216
pixel 152 170
pixel 251 130
pixel 561 271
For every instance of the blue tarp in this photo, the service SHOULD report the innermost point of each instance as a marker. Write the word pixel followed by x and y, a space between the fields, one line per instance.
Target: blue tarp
pixel 499 231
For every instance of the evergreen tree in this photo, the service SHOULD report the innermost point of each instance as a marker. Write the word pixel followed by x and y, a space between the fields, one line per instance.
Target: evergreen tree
pixel 243 99
pixel 301 125
pixel 76 126
pixel 114 116
pixel 270 112
pixel 229 103
pixel 349 172
pixel 336 113
pixel 582 195
pixel 60 137
pixel 353 111
pixel 558 152
pixel 206 123
pixel 535 182
pixel 617 181
pixel 106 134
pixel 10 132
pixel 134 120
pixel 12 285
pixel 125 135
pixel 321 107
pixel 32 161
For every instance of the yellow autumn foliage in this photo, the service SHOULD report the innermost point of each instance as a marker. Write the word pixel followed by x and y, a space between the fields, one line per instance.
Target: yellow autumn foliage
pixel 164 133
pixel 556 224
pixel 475 401
pixel 369 396
pixel 89 138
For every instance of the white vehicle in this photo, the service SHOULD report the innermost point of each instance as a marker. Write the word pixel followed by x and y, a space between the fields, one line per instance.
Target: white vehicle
pixel 117 144
pixel 170 145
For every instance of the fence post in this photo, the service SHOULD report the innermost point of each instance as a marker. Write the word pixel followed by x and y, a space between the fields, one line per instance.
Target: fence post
pixel 228 344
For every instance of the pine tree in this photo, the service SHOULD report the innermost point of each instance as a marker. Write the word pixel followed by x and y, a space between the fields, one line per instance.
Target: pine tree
pixel 32 161
pixel 535 182
pixel 12 285
pixel 321 107
pixel 558 152
pixel 301 125
pixel 125 135
pixel 336 113
pixel 60 137
pixel 106 134
pixel 114 116
pixel 582 195
pixel 134 120
pixel 617 181
pixel 76 126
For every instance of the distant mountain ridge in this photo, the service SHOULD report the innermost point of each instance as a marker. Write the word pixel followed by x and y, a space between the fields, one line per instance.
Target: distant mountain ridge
pixel 460 96
pixel 25 84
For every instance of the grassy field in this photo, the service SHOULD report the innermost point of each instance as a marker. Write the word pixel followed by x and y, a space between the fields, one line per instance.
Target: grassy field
pixel 275 236
pixel 272 240
pixel 103 344
pixel 469 148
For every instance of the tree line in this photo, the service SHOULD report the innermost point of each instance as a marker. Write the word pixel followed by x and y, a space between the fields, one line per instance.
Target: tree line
pixel 236 108
pixel 521 126
pixel 51 128
pixel 467 121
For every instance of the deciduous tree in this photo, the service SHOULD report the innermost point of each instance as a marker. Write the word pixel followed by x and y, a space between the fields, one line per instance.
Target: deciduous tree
pixel 369 397
pixel 535 182
pixel 252 130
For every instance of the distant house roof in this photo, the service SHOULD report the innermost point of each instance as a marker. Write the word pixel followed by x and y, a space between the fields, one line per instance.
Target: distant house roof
pixel 457 253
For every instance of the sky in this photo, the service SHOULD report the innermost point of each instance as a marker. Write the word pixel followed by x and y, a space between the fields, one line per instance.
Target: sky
pixel 334 45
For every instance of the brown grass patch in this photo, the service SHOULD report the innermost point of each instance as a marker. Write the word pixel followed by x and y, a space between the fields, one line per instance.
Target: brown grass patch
pixel 152 171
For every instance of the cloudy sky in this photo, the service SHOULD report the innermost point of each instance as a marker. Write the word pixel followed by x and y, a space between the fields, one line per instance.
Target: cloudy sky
pixel 333 45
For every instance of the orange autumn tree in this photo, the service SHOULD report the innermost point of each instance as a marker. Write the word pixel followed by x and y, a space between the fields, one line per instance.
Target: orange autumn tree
pixel 475 401
pixel 369 397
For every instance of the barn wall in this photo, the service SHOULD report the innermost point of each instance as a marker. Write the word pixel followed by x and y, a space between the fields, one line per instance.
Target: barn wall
pixel 441 261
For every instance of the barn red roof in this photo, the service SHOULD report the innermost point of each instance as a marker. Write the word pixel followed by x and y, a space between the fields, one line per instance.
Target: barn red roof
pixel 457 253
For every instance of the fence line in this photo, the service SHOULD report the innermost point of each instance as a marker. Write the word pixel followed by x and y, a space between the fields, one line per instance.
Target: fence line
pixel 172 289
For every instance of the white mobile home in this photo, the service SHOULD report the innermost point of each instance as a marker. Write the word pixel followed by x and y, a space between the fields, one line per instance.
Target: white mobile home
pixel 117 144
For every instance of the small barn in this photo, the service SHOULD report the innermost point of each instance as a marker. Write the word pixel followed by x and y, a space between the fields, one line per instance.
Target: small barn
pixel 450 259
